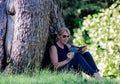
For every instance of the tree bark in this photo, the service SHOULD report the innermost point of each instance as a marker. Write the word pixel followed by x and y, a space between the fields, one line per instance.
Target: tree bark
pixel 3 21
pixel 29 24
pixel 56 22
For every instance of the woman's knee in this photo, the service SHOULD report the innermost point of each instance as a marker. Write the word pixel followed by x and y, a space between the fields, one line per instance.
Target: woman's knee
pixel 87 53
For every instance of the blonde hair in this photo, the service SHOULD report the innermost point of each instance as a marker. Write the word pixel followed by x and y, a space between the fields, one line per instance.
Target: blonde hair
pixel 62 30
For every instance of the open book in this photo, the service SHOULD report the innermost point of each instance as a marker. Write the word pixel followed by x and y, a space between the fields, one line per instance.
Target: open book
pixel 76 49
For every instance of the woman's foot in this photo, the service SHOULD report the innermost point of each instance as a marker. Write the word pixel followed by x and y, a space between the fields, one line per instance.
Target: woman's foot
pixel 97 75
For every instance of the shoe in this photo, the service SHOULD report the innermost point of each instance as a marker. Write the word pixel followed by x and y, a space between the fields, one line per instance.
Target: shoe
pixel 97 75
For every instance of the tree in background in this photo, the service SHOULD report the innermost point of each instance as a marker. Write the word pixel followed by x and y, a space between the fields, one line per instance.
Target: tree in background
pixel 75 10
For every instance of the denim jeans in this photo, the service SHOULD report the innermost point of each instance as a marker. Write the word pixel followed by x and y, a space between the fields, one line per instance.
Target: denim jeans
pixel 83 62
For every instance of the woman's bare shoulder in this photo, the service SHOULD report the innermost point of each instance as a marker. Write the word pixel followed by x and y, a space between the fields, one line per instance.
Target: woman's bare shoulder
pixel 53 47
pixel 53 50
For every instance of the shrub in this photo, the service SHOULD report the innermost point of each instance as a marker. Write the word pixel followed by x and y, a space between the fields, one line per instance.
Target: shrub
pixel 101 32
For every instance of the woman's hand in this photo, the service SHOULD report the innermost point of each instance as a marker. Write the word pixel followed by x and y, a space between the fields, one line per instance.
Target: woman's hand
pixel 70 55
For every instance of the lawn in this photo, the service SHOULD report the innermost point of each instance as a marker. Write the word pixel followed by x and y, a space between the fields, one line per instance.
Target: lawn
pixel 48 77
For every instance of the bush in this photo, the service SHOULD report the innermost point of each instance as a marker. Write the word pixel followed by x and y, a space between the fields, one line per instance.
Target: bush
pixel 102 33
pixel 75 10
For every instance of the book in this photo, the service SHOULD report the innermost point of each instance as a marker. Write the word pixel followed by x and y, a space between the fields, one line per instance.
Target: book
pixel 76 49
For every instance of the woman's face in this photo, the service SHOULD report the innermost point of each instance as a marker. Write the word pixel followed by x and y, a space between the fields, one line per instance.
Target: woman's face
pixel 64 38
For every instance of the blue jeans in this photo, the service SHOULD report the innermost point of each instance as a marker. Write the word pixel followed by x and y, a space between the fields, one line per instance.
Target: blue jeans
pixel 83 62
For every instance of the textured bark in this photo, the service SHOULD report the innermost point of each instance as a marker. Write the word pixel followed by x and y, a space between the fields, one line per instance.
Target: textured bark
pixel 31 26
pixel 3 21
pixel 57 20
pixel 10 28
pixel 29 23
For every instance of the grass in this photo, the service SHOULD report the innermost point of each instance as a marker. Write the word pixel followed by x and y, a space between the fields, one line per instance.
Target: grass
pixel 47 77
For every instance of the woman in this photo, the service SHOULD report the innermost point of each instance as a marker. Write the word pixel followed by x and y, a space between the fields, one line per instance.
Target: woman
pixel 61 57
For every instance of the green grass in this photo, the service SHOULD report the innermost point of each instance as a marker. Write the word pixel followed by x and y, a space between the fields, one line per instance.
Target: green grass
pixel 47 77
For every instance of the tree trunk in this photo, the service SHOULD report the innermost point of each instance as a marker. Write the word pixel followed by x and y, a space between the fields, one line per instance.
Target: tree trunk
pixel 28 26
pixel 3 21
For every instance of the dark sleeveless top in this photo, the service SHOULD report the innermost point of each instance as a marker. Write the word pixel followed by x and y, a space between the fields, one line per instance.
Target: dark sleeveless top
pixel 62 53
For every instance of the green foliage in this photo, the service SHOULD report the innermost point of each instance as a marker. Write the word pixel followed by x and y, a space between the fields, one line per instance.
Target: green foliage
pixel 75 10
pixel 101 32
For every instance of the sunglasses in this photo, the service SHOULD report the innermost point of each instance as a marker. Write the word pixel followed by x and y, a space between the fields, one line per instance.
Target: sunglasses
pixel 64 36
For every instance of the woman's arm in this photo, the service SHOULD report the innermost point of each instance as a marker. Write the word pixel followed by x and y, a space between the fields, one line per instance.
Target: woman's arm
pixel 54 58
